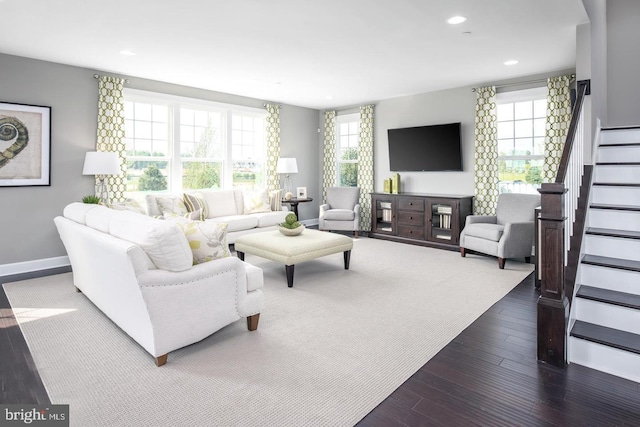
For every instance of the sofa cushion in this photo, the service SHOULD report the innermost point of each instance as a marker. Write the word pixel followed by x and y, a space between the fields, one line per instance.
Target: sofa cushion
pixel 275 199
pixel 195 202
pixel 195 215
pixel 129 205
pixel 99 219
pixel 171 204
pixel 219 202
pixel 256 201
pixel 236 222
pixel 77 211
pixel 486 231
pixel 268 219
pixel 208 240
pixel 339 215
pixel 163 241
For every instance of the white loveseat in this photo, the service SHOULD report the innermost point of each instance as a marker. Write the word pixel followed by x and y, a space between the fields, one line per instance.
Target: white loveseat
pixel 139 271
pixel 244 212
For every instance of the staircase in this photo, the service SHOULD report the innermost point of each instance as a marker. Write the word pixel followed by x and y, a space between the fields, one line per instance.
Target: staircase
pixel 605 314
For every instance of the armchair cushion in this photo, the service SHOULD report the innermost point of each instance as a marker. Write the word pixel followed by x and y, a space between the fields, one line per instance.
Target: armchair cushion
pixel 491 232
pixel 343 197
pixel 339 215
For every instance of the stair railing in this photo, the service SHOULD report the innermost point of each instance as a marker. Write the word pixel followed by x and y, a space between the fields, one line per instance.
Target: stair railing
pixel 559 203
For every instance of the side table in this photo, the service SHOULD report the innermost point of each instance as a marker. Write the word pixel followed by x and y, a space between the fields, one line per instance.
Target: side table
pixel 294 204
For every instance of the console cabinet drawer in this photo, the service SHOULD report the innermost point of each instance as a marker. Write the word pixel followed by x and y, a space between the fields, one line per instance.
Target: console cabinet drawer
pixel 411 218
pixel 411 204
pixel 411 231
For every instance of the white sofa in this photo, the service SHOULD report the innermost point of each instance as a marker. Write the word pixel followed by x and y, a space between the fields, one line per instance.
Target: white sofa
pixel 139 271
pixel 244 211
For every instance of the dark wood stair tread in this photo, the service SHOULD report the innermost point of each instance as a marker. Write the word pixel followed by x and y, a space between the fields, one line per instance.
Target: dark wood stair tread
pixel 617 163
pixel 617 184
pixel 620 144
pixel 608 296
pixel 602 261
pixel 615 207
pixel 613 233
pixel 606 336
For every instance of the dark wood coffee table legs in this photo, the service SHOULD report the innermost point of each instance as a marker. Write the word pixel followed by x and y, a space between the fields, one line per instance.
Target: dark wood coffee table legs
pixel 290 268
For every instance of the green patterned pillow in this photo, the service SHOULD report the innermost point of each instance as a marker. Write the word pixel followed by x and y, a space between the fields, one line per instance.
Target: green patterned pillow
pixel 256 201
pixel 129 205
pixel 171 204
pixel 207 240
pixel 195 215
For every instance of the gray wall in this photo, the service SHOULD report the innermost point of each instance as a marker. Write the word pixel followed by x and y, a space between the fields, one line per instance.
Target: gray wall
pixel 623 70
pixel 26 213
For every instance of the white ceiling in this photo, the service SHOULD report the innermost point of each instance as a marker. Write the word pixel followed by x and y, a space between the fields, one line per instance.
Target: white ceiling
pixel 300 52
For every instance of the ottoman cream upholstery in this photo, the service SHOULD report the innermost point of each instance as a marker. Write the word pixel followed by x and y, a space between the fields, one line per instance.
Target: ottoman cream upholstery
pixel 291 250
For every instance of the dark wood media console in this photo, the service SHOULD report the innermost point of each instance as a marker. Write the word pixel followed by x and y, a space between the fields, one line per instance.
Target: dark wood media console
pixel 420 219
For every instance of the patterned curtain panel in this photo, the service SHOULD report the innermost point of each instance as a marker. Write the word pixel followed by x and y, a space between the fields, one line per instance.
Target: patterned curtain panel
pixel 558 120
pixel 110 136
pixel 365 165
pixel 486 152
pixel 273 146
pixel 329 171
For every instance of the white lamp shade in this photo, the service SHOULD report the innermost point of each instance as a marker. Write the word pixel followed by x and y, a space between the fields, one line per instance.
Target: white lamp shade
pixel 101 163
pixel 287 165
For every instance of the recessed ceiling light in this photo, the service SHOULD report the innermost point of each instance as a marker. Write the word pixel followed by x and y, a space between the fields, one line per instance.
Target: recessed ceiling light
pixel 511 62
pixel 456 20
pixel 127 52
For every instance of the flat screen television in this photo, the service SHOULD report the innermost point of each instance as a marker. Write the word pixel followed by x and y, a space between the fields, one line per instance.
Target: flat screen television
pixel 425 148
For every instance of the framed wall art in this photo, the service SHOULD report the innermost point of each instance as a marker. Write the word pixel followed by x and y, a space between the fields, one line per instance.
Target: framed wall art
pixel 25 145
pixel 301 192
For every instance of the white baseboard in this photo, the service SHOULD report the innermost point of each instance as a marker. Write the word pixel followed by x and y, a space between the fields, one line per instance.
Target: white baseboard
pixel 310 221
pixel 35 265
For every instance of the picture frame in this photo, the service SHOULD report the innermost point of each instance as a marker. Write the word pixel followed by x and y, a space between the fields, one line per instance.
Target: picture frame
pixel 25 145
pixel 301 192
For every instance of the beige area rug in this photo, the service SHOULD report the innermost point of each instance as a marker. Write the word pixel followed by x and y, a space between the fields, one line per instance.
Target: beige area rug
pixel 327 351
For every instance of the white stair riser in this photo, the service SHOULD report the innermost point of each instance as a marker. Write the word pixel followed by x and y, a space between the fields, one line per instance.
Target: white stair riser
pixel 615 195
pixel 610 278
pixel 617 174
pixel 614 247
pixel 618 154
pixel 606 359
pixel 620 136
pixel 614 219
pixel 611 316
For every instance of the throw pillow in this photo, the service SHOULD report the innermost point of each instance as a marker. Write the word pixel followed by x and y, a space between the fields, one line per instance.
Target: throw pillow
pixel 195 202
pixel 256 201
pixel 208 240
pixel 129 205
pixel 171 204
pixel 195 215
pixel 275 199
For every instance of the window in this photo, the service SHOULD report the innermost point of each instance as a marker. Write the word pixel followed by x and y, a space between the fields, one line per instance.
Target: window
pixel 174 144
pixel 347 131
pixel 521 134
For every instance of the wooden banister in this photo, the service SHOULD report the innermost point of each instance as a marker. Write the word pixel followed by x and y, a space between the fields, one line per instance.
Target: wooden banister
pixel 559 203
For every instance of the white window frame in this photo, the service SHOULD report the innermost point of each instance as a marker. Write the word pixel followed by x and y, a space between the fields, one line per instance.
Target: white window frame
pixel 174 103
pixel 342 119
pixel 520 96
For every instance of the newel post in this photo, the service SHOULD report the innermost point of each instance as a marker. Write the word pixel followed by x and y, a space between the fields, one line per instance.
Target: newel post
pixel 553 306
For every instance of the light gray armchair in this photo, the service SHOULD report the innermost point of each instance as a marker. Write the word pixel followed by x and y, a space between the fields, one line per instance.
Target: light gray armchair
pixel 342 210
pixel 508 234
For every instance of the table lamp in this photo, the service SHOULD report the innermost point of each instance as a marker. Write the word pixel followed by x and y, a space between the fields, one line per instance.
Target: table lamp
pixel 287 166
pixel 101 164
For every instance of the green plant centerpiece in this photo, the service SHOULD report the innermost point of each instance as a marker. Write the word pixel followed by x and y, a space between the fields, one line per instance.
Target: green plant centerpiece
pixel 93 200
pixel 291 226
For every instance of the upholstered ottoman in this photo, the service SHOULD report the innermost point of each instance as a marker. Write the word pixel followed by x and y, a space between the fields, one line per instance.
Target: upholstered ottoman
pixel 291 250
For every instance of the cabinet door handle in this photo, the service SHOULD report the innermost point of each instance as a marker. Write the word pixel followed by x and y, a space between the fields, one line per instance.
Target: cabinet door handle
pixel 410 217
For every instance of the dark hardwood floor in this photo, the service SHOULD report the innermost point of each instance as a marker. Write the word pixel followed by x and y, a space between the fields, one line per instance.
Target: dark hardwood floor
pixel 487 376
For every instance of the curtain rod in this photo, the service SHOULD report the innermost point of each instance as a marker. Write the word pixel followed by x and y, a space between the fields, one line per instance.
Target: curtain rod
pixel 473 89
pixel 97 76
